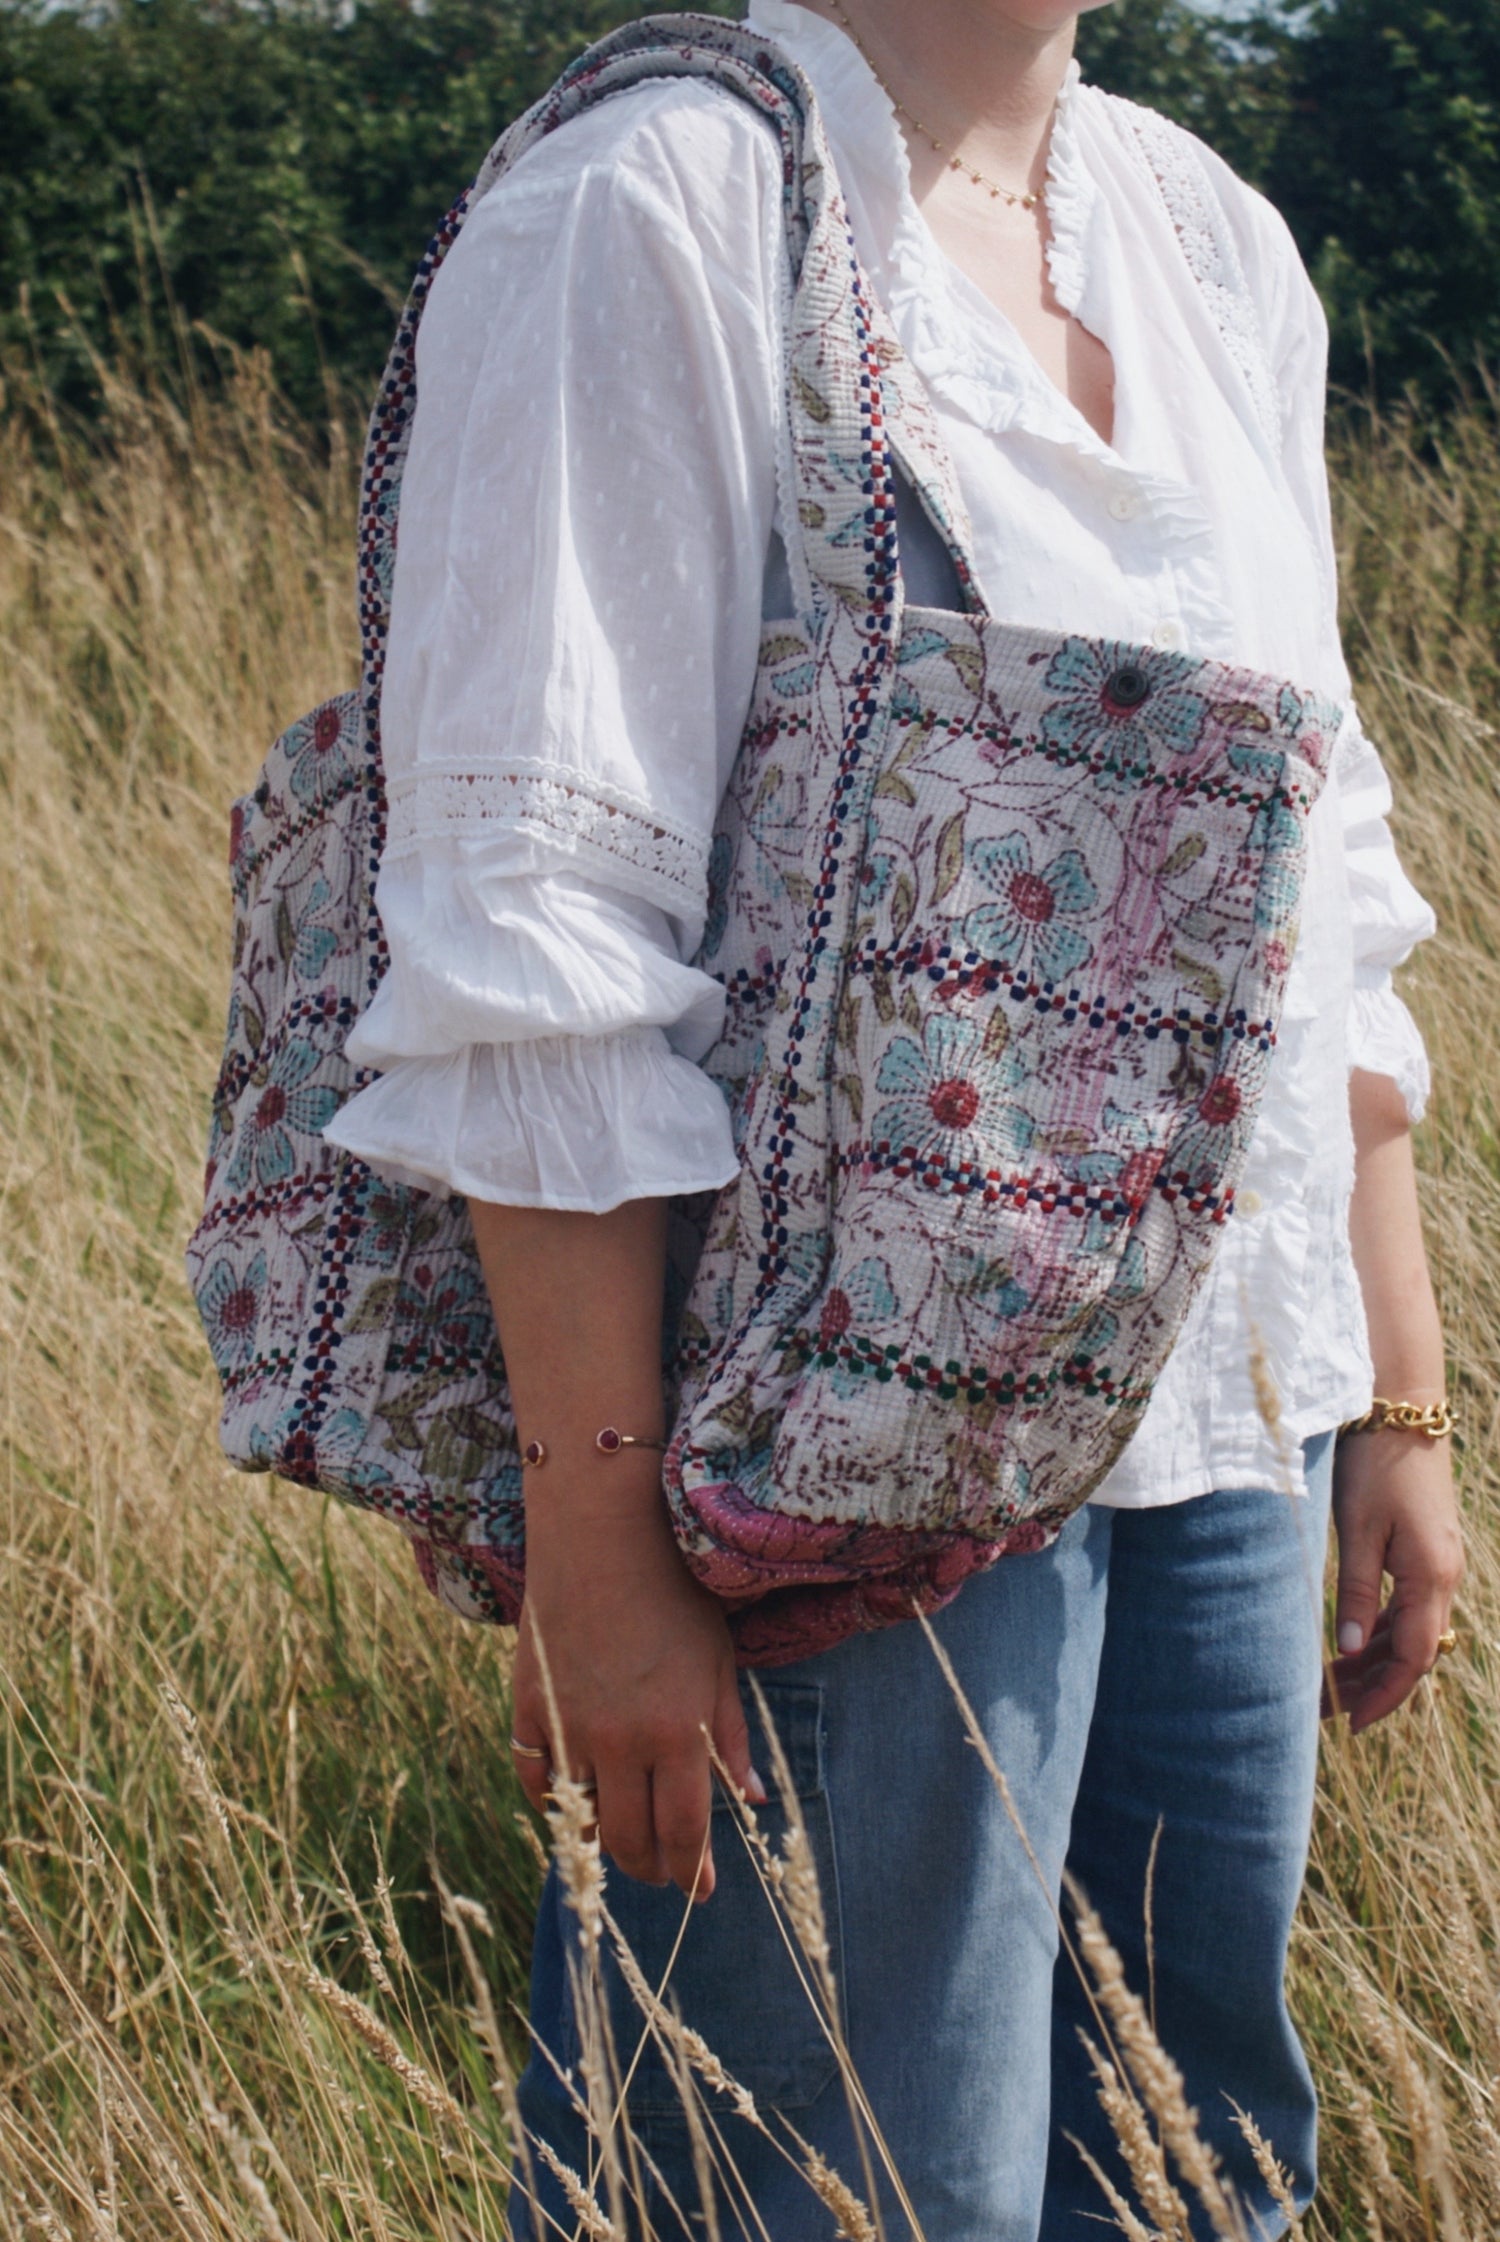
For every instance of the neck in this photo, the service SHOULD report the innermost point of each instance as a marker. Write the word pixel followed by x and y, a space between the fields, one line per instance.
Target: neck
pixel 976 73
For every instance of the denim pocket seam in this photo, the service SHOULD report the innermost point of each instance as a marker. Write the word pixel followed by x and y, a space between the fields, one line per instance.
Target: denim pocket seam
pixel 787 2062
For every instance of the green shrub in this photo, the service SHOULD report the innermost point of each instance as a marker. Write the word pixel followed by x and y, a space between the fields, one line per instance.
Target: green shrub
pixel 268 171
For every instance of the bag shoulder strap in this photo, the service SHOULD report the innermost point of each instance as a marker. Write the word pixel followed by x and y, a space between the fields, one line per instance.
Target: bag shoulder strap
pixel 843 360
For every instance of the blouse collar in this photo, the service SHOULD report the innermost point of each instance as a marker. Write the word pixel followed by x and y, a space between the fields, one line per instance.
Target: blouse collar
pixel 965 348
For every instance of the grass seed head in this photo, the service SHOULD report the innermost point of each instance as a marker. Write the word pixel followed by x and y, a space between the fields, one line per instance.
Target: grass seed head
pixel 593 2220
pixel 852 2220
pixel 1157 2078
pixel 1277 2181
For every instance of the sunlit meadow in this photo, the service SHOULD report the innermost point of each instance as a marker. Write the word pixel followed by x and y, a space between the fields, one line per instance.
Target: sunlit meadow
pixel 265 1881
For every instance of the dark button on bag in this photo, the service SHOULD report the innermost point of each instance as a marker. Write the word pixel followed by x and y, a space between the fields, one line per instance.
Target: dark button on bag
pixel 1128 686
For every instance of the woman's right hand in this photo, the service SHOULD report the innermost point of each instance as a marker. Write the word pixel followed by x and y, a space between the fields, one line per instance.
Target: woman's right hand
pixel 641 1664
pixel 642 1674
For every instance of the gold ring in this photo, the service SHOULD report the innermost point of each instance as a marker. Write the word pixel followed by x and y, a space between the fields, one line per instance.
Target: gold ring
pixel 1447 1641
pixel 527 1751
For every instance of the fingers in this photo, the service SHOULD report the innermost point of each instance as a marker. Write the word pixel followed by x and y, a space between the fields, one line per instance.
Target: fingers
pixel 533 1773
pixel 646 1751
pixel 530 1742
pixel 681 1797
pixel 1396 1513
pixel 537 1776
pixel 653 1823
pixel 1401 1645
pixel 1362 1548
pixel 1373 1688
pixel 1401 1651
pixel 732 1741
pixel 626 1829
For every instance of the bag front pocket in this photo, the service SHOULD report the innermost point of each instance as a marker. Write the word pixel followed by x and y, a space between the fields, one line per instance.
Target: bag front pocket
pixel 1035 1018
pixel 1052 1016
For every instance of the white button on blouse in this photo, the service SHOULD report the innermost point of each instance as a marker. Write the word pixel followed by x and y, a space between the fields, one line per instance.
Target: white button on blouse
pixel 587 550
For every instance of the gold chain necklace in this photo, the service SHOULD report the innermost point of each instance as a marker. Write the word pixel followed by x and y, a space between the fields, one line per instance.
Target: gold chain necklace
pixel 997 193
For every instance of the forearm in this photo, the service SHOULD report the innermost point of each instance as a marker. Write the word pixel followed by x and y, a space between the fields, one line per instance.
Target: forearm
pixel 1385 1234
pixel 1393 1489
pixel 639 1667
pixel 578 1304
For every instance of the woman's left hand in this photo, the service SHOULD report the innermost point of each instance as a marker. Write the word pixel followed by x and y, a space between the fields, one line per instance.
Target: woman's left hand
pixel 1393 1501
pixel 1395 1511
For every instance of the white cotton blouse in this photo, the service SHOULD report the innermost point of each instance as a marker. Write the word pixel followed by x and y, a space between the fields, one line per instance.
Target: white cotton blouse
pixel 589 542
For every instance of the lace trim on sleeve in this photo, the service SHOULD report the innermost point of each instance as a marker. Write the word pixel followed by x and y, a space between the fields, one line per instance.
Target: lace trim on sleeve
pixel 550 803
pixel 1208 243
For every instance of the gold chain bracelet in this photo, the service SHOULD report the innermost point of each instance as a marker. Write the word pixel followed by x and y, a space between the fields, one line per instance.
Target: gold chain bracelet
pixel 1436 1419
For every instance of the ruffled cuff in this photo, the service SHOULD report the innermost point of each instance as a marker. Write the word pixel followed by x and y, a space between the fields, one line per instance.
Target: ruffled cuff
pixel 487 946
pixel 1385 1039
pixel 1388 916
pixel 578 1123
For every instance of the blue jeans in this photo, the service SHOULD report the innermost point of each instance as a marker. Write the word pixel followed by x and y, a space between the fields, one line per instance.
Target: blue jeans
pixel 1158 1666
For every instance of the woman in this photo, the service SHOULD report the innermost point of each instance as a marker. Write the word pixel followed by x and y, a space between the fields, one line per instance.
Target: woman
pixel 593 529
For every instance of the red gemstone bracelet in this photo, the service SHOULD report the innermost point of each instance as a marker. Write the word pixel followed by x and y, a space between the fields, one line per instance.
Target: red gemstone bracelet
pixel 609 1441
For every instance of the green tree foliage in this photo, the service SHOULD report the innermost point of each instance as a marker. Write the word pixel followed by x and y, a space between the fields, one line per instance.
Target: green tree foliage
pixel 272 168
pixel 1375 126
pixel 1230 86
pixel 1388 167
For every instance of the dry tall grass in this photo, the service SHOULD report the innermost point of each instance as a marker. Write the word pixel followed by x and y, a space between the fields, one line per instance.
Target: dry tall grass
pixel 228 1712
